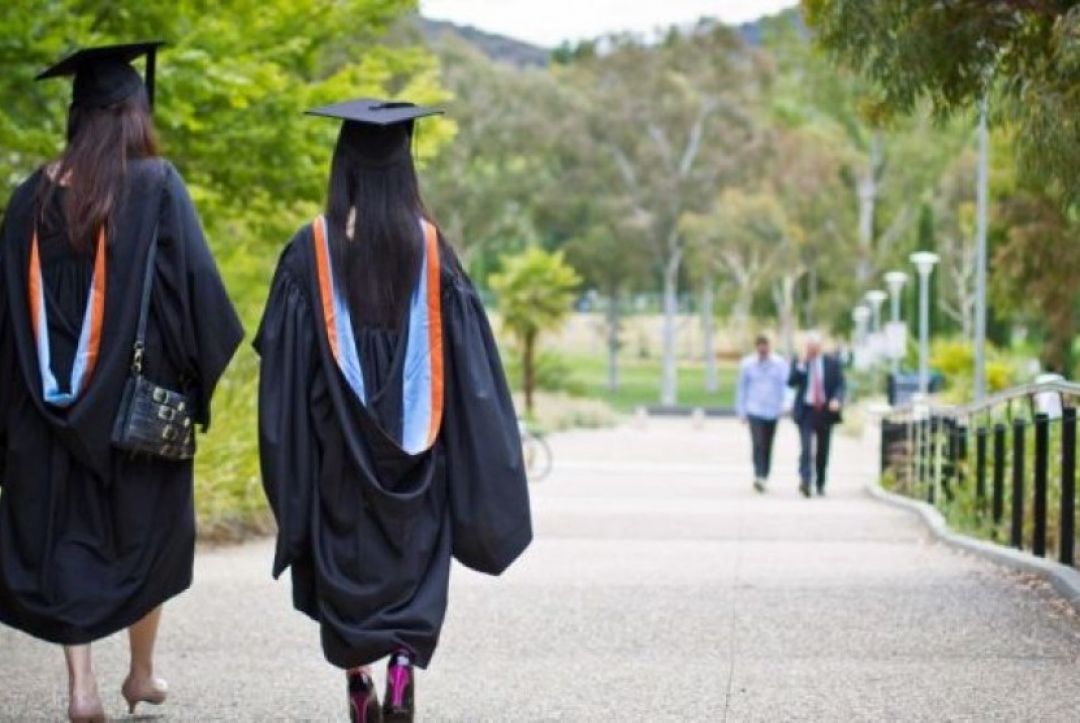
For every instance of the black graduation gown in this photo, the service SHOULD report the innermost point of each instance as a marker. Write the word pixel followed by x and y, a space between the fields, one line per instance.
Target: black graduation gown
pixel 368 530
pixel 92 539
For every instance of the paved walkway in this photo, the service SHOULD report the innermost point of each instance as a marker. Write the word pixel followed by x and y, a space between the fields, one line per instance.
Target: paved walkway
pixel 660 588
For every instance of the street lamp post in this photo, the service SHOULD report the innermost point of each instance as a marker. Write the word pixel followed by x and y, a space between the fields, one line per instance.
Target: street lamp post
pixel 896 280
pixel 924 263
pixel 861 316
pixel 876 298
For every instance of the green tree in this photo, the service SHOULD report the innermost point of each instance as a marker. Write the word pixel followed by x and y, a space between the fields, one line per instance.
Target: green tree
pixel 676 120
pixel 950 52
pixel 1040 239
pixel 888 167
pixel 487 186
pixel 535 292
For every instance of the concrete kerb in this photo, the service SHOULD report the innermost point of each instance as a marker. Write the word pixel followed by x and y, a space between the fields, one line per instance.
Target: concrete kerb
pixel 1065 580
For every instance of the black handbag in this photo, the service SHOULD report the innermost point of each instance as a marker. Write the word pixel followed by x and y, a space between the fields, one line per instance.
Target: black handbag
pixel 152 419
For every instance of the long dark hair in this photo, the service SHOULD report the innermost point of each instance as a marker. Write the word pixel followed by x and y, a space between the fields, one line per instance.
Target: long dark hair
pixel 375 194
pixel 100 141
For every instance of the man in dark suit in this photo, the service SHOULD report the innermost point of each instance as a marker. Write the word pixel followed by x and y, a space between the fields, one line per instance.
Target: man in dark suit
pixel 818 380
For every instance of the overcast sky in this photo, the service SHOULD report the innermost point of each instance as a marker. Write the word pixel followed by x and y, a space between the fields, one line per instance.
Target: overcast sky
pixel 549 22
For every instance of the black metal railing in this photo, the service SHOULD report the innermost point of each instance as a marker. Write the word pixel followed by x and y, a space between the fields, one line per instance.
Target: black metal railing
pixel 1004 468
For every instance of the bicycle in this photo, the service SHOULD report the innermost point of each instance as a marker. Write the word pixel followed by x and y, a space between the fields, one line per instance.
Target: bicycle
pixel 536 453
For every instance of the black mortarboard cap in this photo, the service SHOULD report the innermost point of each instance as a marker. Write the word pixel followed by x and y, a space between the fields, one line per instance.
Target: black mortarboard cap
pixel 104 75
pixel 375 112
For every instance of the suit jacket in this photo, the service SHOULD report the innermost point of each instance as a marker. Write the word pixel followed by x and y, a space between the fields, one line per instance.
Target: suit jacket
pixel 833 379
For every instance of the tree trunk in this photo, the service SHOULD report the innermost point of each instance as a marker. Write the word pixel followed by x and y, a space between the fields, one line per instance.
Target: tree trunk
pixel 613 341
pixel 784 298
pixel 528 371
pixel 867 189
pixel 708 333
pixel 669 380
pixel 740 316
pixel 810 312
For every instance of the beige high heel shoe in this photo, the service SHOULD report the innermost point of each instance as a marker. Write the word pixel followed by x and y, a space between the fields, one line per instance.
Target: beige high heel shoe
pixel 86 709
pixel 153 691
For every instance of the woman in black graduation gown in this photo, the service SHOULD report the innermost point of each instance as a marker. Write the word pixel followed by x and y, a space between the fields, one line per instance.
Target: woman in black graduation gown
pixel 94 540
pixel 388 438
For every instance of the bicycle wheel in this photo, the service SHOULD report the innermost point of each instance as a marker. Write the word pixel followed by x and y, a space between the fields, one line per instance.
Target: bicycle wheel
pixel 537 454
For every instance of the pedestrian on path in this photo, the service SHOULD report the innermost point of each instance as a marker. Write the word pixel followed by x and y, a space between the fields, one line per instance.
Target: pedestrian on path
pixel 759 402
pixel 388 438
pixel 818 380
pixel 114 330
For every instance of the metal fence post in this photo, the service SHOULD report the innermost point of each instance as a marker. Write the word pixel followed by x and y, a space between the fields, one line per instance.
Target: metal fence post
pixel 980 469
pixel 886 426
pixel 909 441
pixel 1016 537
pixel 932 449
pixel 921 445
pixel 999 473
pixel 961 454
pixel 950 453
pixel 1066 552
pixel 1042 457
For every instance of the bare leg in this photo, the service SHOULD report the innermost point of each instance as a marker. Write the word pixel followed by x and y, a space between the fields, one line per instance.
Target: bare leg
pixel 84 703
pixel 142 636
pixel 141 686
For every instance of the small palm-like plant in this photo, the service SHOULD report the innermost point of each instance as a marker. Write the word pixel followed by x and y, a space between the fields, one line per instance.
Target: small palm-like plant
pixel 535 292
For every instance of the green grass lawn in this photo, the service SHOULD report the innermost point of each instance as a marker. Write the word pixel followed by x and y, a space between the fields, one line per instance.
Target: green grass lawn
pixel 640 382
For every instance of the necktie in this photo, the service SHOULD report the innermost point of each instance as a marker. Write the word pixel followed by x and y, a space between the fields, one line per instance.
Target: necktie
pixel 817 393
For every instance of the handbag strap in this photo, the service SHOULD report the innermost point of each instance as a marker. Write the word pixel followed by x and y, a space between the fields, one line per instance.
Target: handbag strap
pixel 139 348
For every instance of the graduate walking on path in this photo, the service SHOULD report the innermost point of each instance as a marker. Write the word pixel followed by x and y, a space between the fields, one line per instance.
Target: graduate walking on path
pixel 114 330
pixel 389 442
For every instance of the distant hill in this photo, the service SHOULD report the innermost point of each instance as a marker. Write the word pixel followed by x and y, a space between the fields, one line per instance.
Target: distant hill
pixel 497 47
pixel 519 53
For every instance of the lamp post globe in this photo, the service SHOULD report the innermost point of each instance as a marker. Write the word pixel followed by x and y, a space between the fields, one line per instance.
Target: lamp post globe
pixel 895 281
pixel 876 297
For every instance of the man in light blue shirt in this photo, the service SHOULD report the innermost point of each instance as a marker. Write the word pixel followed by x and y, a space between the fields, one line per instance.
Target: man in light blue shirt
pixel 759 401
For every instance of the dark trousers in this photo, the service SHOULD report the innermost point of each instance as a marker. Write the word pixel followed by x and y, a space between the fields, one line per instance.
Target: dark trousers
pixel 762 433
pixel 815 435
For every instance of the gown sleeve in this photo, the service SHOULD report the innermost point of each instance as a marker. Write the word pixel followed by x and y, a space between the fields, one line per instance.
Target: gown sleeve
pixel 212 330
pixel 7 361
pixel 288 445
pixel 488 492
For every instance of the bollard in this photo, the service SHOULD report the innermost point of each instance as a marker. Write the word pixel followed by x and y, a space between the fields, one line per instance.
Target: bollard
pixel 999 473
pixel 1016 536
pixel 1066 552
pixel 1042 455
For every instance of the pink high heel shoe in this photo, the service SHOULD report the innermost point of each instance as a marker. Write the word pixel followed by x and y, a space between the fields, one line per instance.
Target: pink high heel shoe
pixel 363 700
pixel 400 703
